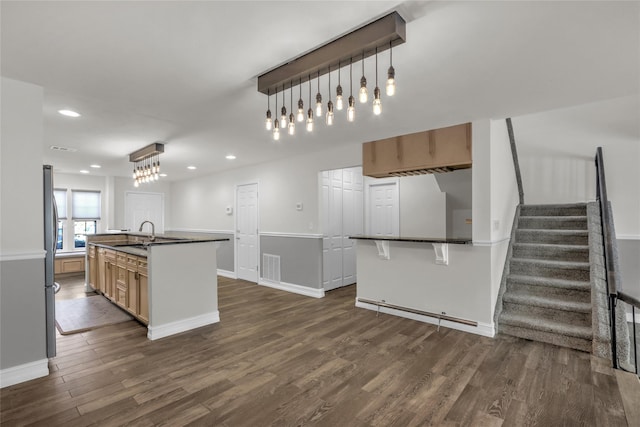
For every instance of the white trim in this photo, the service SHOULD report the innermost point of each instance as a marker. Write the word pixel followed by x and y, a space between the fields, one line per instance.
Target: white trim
pixel 489 242
pixel 200 230
pixel 628 237
pixel 484 329
pixel 19 255
pixel 161 331
pixel 290 287
pixel 297 235
pixel 227 274
pixel 26 372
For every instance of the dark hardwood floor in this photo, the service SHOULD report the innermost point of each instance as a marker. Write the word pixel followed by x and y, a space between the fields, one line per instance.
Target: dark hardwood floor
pixel 282 359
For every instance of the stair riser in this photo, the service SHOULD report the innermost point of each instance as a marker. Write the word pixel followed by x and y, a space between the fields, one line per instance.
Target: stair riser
pixel 537 236
pixel 553 211
pixel 548 337
pixel 540 290
pixel 556 223
pixel 528 269
pixel 550 253
pixel 570 317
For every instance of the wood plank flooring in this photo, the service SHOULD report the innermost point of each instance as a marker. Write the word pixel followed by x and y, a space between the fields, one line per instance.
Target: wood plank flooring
pixel 282 359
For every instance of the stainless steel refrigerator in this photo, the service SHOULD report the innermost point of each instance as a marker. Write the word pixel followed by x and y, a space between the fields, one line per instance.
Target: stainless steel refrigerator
pixel 50 243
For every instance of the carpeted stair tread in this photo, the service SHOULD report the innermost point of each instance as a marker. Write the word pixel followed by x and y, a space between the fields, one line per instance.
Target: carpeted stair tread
pixel 555 232
pixel 546 263
pixel 560 252
pixel 545 222
pixel 554 302
pixel 551 246
pixel 545 325
pixel 550 282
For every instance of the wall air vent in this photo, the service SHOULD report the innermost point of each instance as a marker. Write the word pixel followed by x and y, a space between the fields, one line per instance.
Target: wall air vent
pixel 59 148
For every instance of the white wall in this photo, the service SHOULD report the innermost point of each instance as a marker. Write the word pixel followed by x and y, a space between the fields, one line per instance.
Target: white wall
pixel 557 149
pixel 199 204
pixel 22 312
pixel 423 207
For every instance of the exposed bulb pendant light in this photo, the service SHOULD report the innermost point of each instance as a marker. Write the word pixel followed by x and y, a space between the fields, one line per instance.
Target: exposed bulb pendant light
pixel 329 118
pixel 377 103
pixel 276 124
pixel 268 123
pixel 363 96
pixel 283 115
pixel 318 99
pixel 292 124
pixel 351 110
pixel 300 115
pixel 339 102
pixel 391 73
pixel 310 111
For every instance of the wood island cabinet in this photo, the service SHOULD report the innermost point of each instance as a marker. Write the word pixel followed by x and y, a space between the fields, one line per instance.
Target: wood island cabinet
pixel 121 277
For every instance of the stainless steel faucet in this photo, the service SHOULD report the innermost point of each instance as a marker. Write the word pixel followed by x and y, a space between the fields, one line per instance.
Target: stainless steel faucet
pixel 152 237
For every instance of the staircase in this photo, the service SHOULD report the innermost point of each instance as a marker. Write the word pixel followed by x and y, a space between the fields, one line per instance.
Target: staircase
pixel 547 294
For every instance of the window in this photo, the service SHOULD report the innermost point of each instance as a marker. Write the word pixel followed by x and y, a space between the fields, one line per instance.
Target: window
pixel 60 196
pixel 85 207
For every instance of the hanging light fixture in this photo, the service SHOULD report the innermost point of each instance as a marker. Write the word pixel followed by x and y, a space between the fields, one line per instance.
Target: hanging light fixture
pixel 146 163
pixel 268 122
pixel 283 115
pixel 339 102
pixel 371 38
pixel 329 118
pixel 292 123
pixel 310 112
pixel 318 99
pixel 276 123
pixel 377 103
pixel 300 116
pixel 363 96
pixel 391 73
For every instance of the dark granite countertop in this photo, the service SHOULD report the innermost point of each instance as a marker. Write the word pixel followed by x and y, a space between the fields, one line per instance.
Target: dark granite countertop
pixel 450 240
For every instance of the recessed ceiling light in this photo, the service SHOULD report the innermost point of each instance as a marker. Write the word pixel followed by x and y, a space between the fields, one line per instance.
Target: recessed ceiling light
pixel 230 157
pixel 163 175
pixel 96 166
pixel 84 171
pixel 192 167
pixel 69 113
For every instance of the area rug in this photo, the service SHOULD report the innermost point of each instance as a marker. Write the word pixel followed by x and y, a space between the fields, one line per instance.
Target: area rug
pixel 83 314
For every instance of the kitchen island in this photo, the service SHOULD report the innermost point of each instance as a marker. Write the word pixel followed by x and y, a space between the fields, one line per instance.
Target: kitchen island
pixel 168 282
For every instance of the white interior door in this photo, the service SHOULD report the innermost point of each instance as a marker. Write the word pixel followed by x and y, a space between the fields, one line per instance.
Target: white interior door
pixel 247 262
pixel 141 207
pixel 384 210
pixel 342 216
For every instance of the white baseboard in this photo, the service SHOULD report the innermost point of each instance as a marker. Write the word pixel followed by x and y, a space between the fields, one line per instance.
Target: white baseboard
pixel 161 331
pixel 21 373
pixel 296 289
pixel 227 273
pixel 484 329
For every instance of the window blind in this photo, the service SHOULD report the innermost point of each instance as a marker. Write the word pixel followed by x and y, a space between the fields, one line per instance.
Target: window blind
pixel 60 197
pixel 85 205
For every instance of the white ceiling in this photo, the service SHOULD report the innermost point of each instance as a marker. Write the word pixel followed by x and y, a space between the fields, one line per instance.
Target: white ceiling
pixel 185 72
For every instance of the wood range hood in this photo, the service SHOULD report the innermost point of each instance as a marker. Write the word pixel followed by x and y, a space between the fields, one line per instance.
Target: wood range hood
pixel 432 151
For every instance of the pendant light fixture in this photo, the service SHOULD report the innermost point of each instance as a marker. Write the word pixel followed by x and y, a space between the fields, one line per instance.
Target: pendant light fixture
pixel 310 111
pixel 351 110
pixel 377 103
pixel 268 123
pixel 300 115
pixel 292 122
pixel 329 118
pixel 283 115
pixel 276 123
pixel 363 95
pixel 339 102
pixel 391 73
pixel 146 163
pixel 318 99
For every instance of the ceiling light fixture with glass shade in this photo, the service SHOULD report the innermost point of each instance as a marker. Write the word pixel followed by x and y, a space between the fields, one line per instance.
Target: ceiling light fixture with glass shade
pixel 367 40
pixel 146 163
